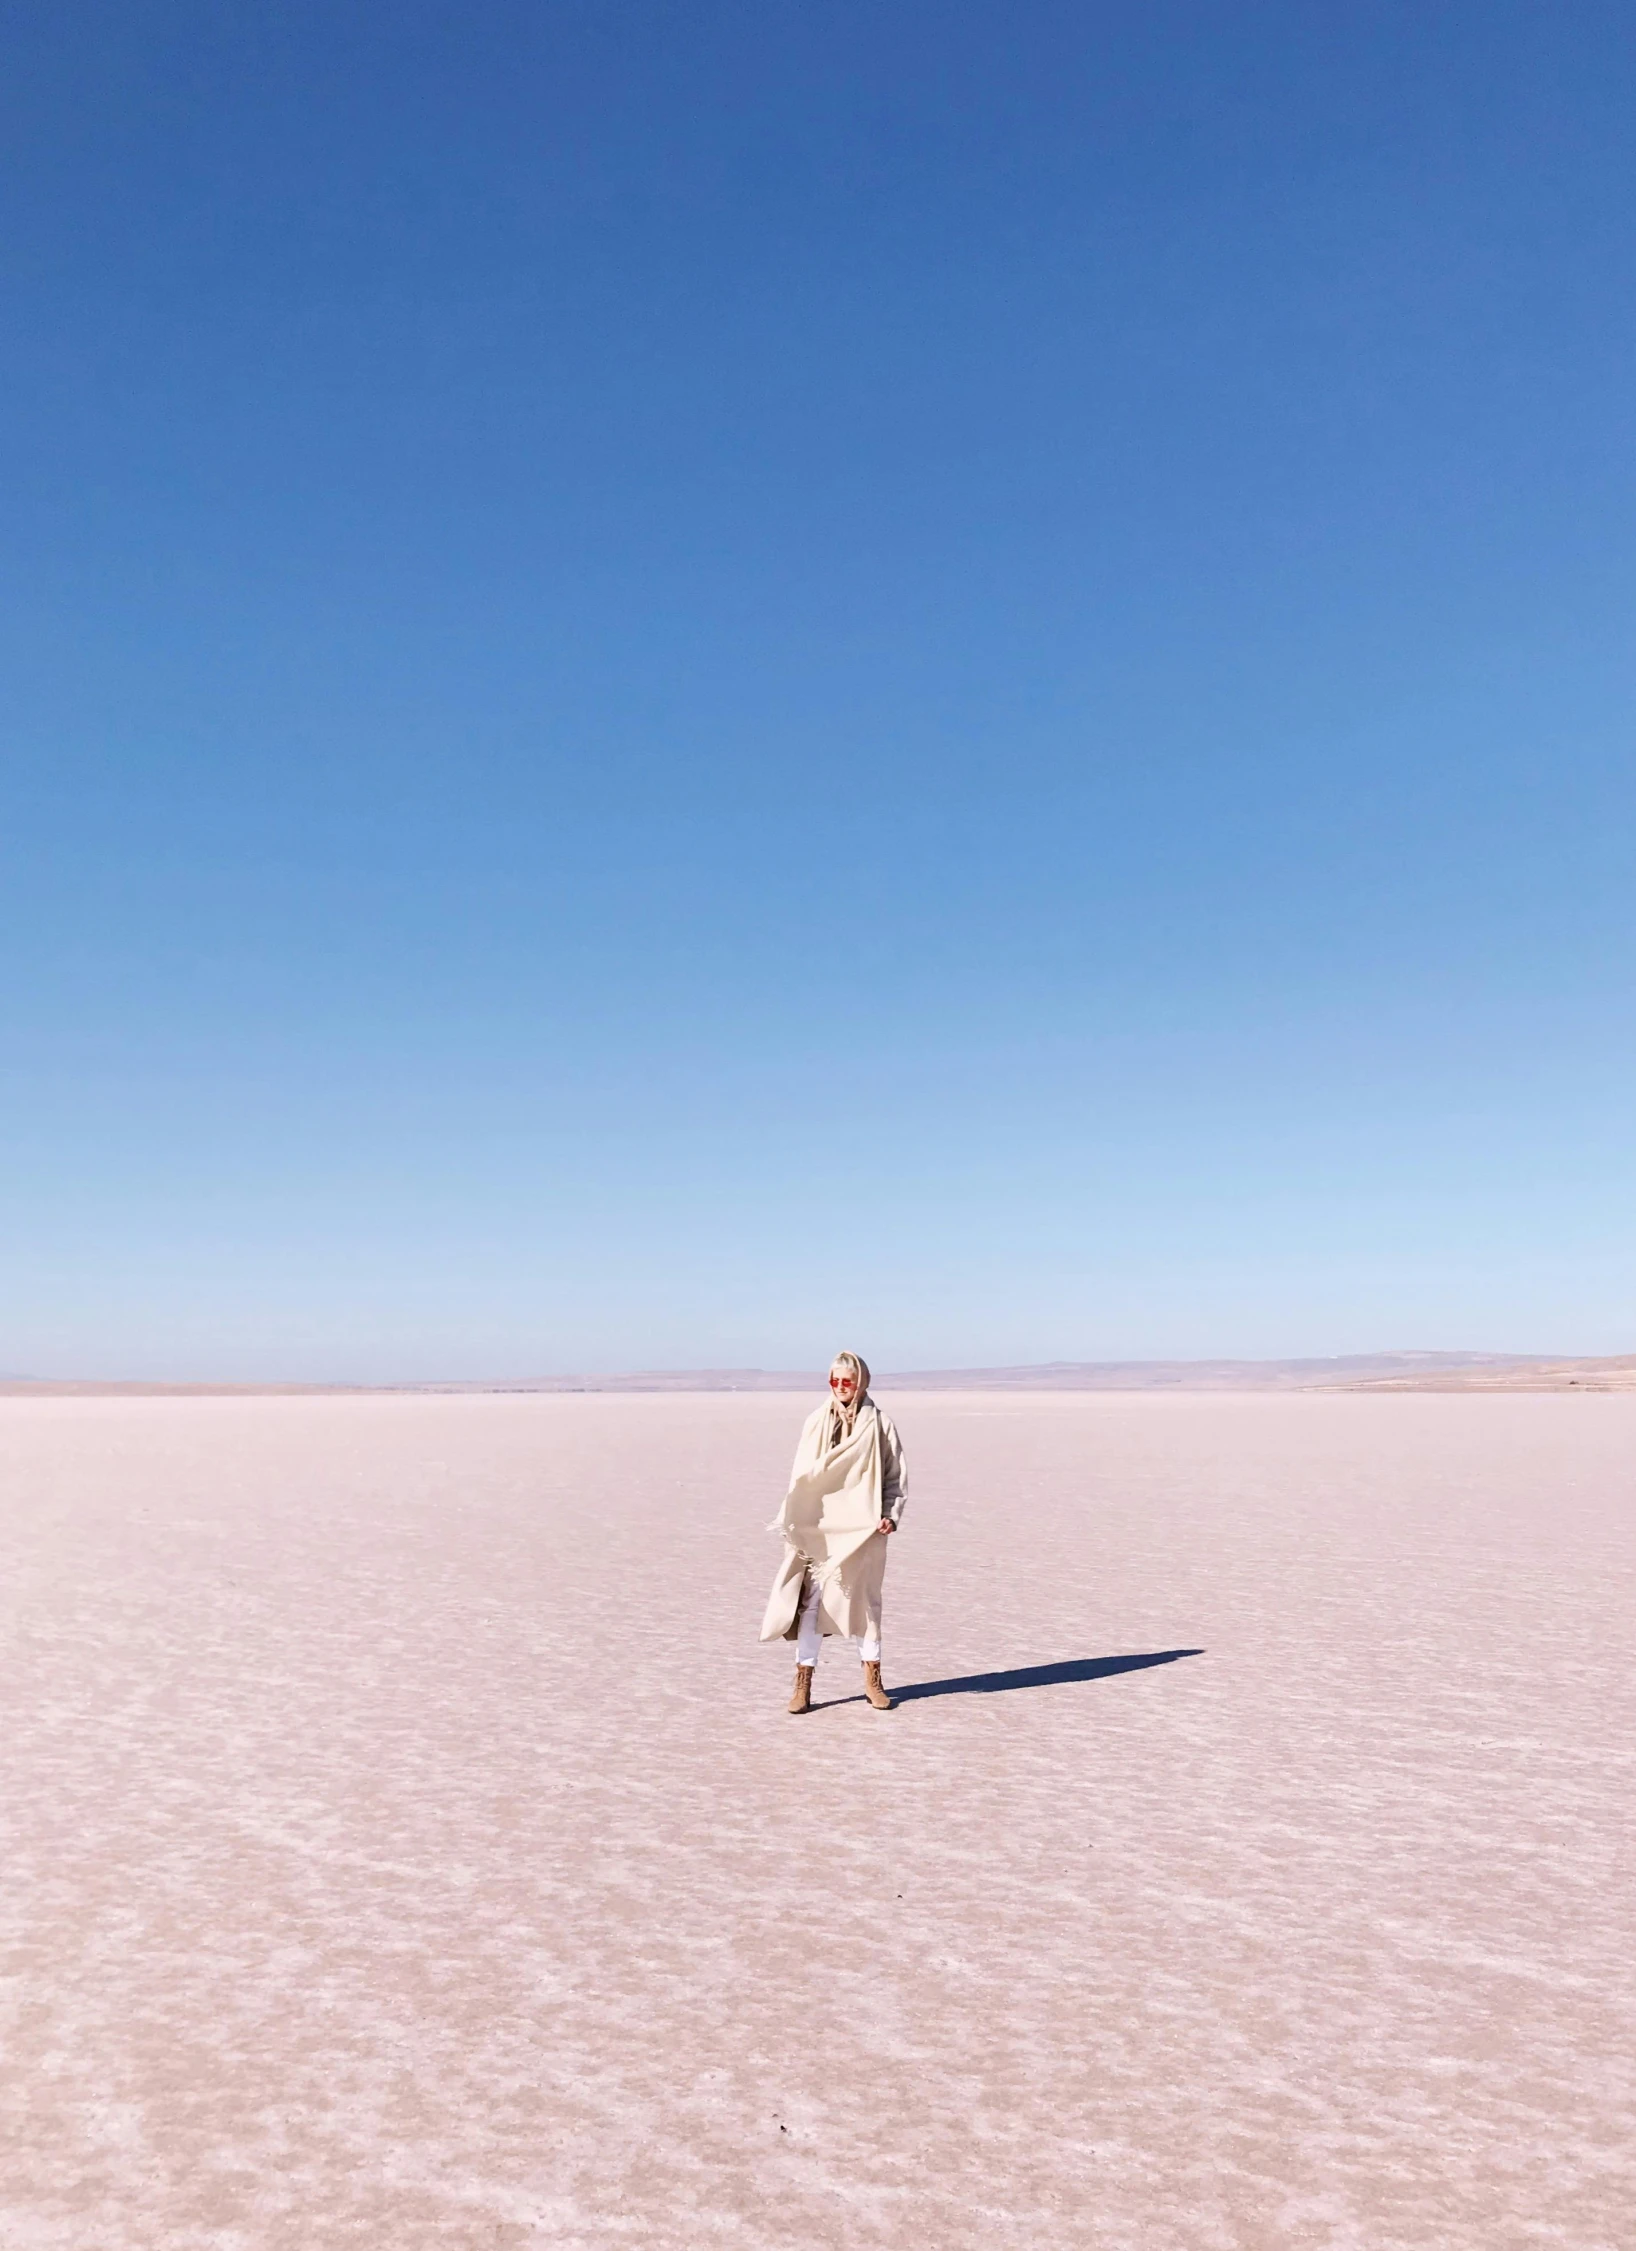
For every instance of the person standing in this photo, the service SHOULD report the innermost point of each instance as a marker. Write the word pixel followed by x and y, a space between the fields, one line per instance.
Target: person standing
pixel 847 1495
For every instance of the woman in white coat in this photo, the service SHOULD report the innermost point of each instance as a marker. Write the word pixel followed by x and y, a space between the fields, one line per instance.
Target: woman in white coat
pixel 847 1495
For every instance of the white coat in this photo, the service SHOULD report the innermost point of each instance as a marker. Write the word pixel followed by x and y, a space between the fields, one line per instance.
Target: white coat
pixel 831 1524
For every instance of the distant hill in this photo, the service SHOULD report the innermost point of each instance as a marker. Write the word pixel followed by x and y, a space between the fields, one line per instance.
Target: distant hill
pixel 1368 1371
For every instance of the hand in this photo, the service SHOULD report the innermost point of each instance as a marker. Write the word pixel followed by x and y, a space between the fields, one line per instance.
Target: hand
pixel 887 1525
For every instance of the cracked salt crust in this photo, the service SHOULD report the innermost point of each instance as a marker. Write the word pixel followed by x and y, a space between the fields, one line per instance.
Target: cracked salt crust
pixel 406 1844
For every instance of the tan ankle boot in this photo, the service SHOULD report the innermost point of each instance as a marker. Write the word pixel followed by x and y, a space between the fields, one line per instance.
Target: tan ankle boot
pixel 801 1701
pixel 873 1689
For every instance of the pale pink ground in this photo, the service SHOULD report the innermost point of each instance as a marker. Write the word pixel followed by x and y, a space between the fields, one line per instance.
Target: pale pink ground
pixel 406 1845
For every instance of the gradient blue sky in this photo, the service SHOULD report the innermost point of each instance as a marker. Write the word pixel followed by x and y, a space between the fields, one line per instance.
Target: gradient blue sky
pixel 684 682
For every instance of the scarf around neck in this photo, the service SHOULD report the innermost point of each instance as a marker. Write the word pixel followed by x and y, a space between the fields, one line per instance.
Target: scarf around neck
pixel 843 1420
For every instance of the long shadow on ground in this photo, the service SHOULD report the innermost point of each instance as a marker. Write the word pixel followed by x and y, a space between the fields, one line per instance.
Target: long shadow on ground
pixel 1040 1676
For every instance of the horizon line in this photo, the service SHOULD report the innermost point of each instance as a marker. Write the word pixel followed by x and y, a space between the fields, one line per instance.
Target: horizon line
pixel 1396 1370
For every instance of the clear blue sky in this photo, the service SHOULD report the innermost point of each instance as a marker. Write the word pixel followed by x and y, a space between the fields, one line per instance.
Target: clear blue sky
pixel 680 683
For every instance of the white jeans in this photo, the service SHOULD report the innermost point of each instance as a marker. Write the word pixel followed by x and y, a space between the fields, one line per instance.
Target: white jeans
pixel 809 1640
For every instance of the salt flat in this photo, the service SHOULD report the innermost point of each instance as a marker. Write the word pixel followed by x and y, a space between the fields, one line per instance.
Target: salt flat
pixel 405 1843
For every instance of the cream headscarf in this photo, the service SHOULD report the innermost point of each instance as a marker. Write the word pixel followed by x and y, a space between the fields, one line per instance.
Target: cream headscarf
pixel 843 1418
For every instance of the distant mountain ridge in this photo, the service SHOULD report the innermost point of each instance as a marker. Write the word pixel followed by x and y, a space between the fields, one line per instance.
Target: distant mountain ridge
pixel 1366 1371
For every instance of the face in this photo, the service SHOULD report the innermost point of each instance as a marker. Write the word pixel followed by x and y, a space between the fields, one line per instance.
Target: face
pixel 844 1385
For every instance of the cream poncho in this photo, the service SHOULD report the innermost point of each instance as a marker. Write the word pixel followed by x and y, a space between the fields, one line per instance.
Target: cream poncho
pixel 831 1523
